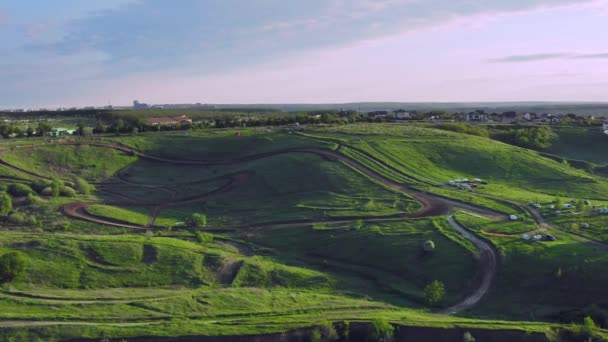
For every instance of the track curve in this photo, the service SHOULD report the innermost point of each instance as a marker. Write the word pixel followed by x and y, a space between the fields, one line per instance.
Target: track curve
pixel 432 205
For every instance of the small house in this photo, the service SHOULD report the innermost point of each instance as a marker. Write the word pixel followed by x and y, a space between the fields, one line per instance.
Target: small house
pixel 477 116
pixel 513 218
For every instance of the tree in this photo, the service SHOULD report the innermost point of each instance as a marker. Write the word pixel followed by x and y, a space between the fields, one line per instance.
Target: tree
pixel 199 220
pixel 99 127
pixel 580 206
pixel 382 331
pixel 559 203
pixel 434 292
pixel 83 186
pixel 429 246
pixel 12 265
pixel 6 204
pixel 325 332
pixel 43 129
pixel 119 125
pixel 80 128
pixel 57 186
pixel 587 329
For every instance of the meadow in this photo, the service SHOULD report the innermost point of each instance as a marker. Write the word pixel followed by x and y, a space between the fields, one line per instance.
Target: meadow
pixel 291 240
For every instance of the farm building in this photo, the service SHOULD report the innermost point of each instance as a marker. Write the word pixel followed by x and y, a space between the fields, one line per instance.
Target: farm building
pixel 605 127
pixel 513 218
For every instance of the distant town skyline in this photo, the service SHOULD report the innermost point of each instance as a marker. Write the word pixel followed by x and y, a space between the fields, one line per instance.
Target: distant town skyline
pixel 73 53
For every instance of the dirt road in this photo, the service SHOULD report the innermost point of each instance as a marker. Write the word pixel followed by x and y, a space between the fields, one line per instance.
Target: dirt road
pixel 432 205
pixel 487 269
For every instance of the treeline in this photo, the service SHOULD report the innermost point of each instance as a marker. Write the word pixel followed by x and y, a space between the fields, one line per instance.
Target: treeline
pixel 528 137
pixel 40 129
pixel 134 121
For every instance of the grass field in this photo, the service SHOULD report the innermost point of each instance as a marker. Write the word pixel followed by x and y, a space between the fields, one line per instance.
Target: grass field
pixel 434 157
pixel 543 280
pixel 384 260
pixel 579 143
pixel 131 215
pixel 92 163
pixel 256 279
pixel 216 144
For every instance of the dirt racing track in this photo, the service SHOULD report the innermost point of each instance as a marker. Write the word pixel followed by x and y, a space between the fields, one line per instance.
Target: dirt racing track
pixel 432 205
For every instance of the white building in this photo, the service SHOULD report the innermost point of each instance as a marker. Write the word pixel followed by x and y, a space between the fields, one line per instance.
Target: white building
pixel 476 116
pixel 605 127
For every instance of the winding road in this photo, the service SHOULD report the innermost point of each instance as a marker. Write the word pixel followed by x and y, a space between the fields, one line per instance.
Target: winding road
pixel 432 205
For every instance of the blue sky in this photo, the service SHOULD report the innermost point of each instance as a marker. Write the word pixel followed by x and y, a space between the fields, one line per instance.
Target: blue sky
pixel 74 52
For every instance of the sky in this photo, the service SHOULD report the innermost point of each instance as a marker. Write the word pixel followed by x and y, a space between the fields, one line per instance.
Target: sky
pixel 65 53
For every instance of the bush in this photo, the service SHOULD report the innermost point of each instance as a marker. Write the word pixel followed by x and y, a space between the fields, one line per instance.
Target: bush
pixel 6 204
pixel 33 199
pixel 428 246
pixel 40 184
pixel 18 189
pixel 12 265
pixel 57 186
pixel 83 186
pixel 48 192
pixel 68 192
pixel 382 331
pixel 204 237
pixel 16 218
pixel 199 220
pixel 434 292
pixel 325 332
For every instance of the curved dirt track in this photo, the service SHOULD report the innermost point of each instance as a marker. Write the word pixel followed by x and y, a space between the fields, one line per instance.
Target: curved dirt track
pixel 487 263
pixel 432 205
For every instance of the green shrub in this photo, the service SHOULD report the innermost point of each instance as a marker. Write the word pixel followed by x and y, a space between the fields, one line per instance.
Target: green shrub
pixel 199 220
pixel 83 186
pixel 16 218
pixel 428 246
pixel 48 192
pixel 18 189
pixel 434 292
pixel 325 332
pixel 202 237
pixel 40 184
pixel 382 331
pixel 33 199
pixel 12 265
pixel 57 186
pixel 6 204
pixel 68 192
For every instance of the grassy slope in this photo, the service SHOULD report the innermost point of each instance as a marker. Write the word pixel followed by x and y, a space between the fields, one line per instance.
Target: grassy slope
pixel 215 144
pixel 588 144
pixel 132 215
pixel 77 262
pixel 435 157
pixel 389 252
pixel 540 280
pixel 91 163
pixel 298 186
